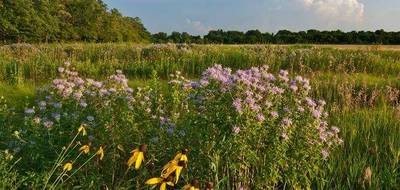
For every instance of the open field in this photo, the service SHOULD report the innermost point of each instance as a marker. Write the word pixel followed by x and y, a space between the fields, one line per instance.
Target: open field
pixel 360 85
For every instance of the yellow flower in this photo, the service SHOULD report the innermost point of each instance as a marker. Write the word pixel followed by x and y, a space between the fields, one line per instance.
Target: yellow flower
pixel 67 167
pixel 194 185
pixel 181 156
pixel 137 156
pixel 82 130
pixel 163 182
pixel 85 149
pixel 100 153
pixel 174 168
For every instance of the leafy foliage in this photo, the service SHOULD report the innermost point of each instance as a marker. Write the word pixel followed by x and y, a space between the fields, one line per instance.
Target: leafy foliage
pixel 69 20
pixel 282 37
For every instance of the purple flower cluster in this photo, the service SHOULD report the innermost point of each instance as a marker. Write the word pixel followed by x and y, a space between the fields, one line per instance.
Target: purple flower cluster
pixel 270 99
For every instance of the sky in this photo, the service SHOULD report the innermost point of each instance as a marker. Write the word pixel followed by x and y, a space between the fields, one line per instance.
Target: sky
pixel 199 16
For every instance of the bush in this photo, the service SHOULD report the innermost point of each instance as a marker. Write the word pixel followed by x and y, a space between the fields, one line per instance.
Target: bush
pixel 248 129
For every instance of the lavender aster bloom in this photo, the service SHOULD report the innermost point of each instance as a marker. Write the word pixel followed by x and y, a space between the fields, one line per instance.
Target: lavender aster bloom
pixel 61 69
pixel 57 105
pixel 56 116
pixel 274 114
pixel 48 124
pixel 90 118
pixel 236 130
pixel 83 104
pixel 42 103
pixel 286 122
pixel 238 105
pixel 29 111
pixel 260 117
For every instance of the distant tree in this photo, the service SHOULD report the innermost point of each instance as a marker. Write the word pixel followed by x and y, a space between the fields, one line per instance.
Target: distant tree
pixel 160 37
pixel 254 37
pixel 175 37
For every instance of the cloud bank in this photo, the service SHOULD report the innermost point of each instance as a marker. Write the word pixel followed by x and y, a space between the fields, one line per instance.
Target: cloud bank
pixel 336 10
pixel 197 26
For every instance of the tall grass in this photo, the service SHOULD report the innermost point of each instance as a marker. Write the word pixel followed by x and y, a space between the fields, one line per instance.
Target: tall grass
pixel 37 63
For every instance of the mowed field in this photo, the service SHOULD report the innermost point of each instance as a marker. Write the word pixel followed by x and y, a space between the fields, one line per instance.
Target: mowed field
pixel 360 85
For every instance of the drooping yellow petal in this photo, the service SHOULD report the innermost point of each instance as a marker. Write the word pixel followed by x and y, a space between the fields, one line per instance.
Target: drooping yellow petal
pixel 178 173
pixel 170 184
pixel 82 130
pixel 163 186
pixel 168 165
pixel 153 181
pixel 85 149
pixel 67 167
pixel 135 150
pixel 100 153
pixel 178 157
pixel 132 159
pixel 187 187
pixel 139 160
pixel 169 171
pixel 184 158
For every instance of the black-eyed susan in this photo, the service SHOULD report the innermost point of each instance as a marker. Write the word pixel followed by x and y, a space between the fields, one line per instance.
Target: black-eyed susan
pixel 194 185
pixel 85 149
pixel 181 156
pixel 174 168
pixel 163 182
pixel 100 153
pixel 137 156
pixel 67 167
pixel 82 130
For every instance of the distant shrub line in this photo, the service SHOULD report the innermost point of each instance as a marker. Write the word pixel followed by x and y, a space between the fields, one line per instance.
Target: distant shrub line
pixel 282 37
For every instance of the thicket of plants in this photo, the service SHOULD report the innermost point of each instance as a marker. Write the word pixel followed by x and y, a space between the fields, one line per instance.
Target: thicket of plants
pixel 247 129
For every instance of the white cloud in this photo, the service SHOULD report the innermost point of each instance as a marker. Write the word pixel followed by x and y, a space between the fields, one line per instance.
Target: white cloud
pixel 198 26
pixel 336 10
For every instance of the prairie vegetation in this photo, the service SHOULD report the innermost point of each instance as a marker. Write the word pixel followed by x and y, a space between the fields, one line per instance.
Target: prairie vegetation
pixel 173 97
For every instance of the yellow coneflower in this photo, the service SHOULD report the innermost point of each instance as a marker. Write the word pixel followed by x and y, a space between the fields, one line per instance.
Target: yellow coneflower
pixel 194 185
pixel 85 149
pixel 181 156
pixel 82 130
pixel 67 167
pixel 175 168
pixel 162 181
pixel 137 156
pixel 100 153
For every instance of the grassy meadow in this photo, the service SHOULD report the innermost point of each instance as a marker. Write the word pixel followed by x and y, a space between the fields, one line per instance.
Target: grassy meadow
pixel 361 88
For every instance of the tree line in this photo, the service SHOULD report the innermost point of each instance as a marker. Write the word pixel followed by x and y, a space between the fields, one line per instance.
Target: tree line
pixel 66 20
pixel 282 37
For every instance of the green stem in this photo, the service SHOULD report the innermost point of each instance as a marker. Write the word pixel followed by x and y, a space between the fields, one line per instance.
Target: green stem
pixel 59 160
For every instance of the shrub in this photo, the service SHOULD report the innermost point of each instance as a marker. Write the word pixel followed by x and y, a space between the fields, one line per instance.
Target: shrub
pixel 248 129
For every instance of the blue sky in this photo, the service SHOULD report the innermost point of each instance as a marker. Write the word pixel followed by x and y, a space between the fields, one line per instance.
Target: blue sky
pixel 199 16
